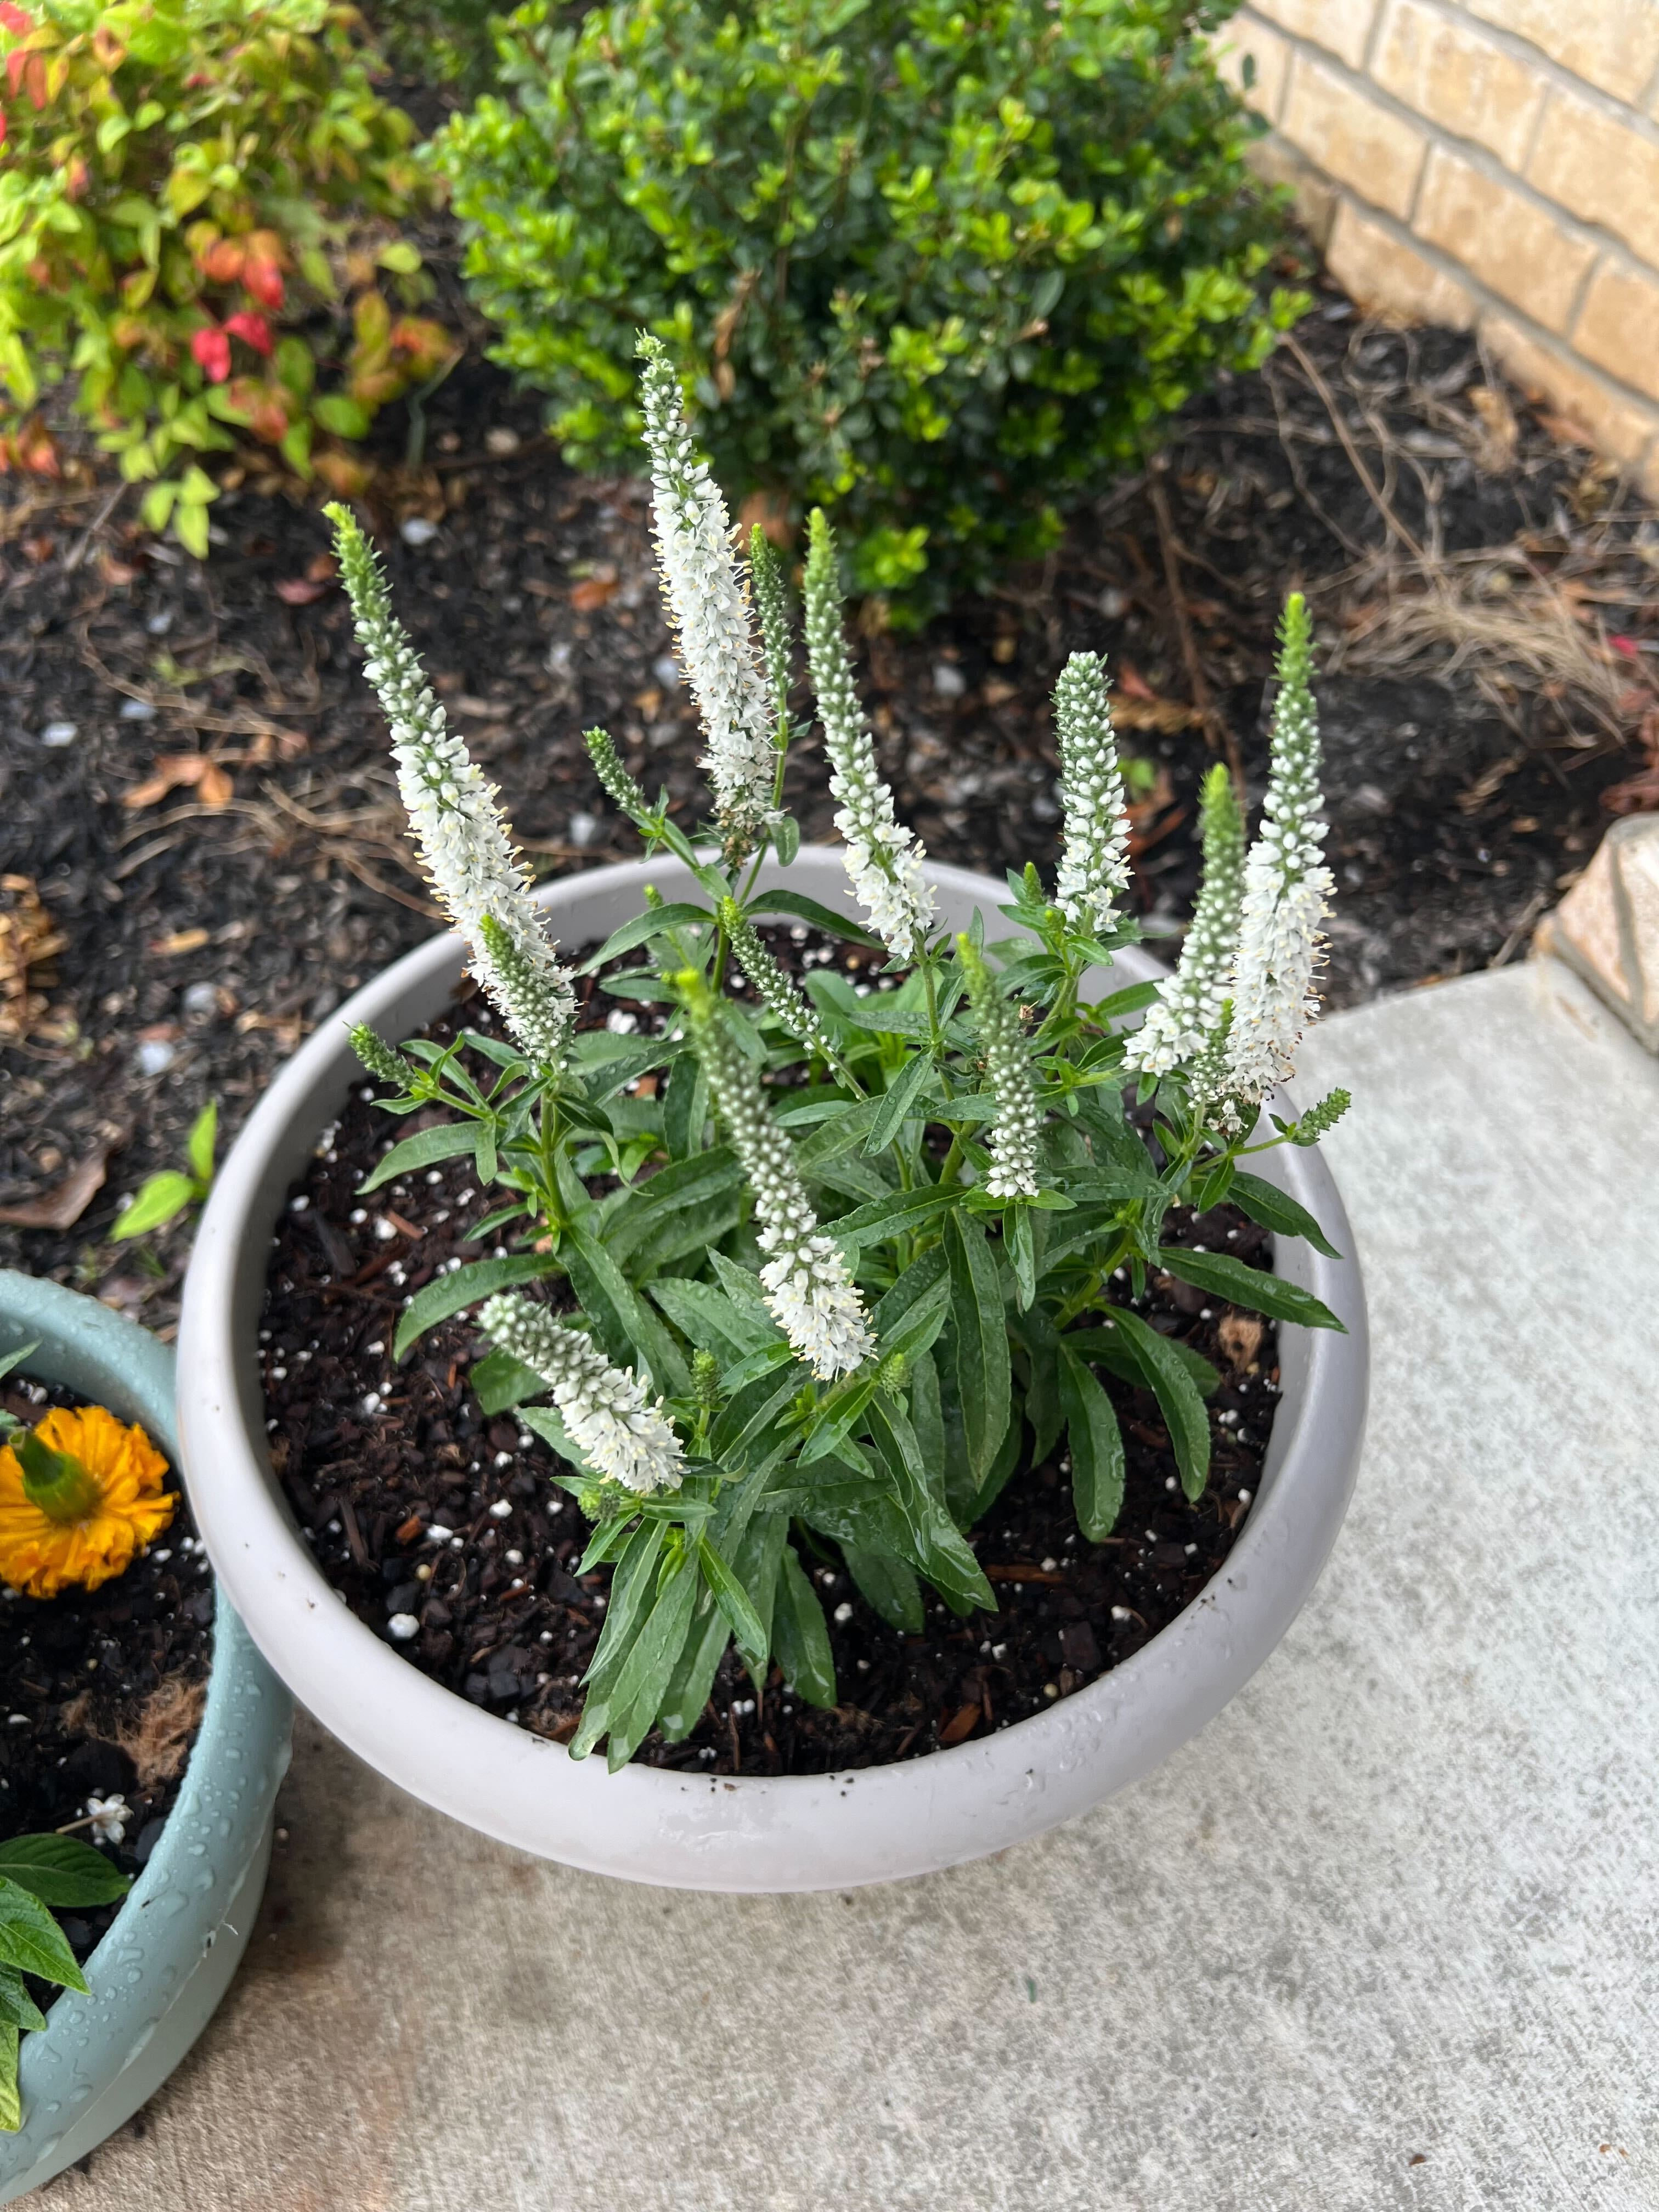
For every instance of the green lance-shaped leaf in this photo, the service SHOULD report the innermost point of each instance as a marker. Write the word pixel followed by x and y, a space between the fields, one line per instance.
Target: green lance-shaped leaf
pixel 801 1638
pixel 1241 1284
pixel 982 1372
pixel 1096 1449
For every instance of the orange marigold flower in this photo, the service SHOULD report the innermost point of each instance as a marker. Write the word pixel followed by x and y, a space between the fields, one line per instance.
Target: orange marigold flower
pixel 122 1507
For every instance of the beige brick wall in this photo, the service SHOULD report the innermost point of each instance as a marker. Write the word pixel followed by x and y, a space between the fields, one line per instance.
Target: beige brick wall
pixel 1486 163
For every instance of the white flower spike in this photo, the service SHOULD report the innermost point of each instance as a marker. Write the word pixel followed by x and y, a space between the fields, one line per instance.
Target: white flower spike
pixel 882 859
pixel 616 1429
pixel 705 591
pixel 457 826
pixel 1016 1132
pixel 1184 1017
pixel 1094 864
pixel 1287 887
pixel 812 1297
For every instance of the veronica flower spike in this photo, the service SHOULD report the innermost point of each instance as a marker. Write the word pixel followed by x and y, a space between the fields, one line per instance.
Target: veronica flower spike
pixel 619 1433
pixel 1287 887
pixel 463 839
pixel 884 860
pixel 1094 862
pixel 1017 1129
pixel 811 1296
pixel 1187 1009
pixel 705 591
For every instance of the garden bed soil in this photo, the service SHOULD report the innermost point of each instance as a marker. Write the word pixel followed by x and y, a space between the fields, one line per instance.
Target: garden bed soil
pixel 417 1507
pixel 101 1692
pixel 197 787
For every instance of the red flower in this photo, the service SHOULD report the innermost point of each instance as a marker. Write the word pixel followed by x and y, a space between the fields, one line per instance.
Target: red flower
pixel 212 349
pixel 264 279
pixel 223 262
pixel 253 328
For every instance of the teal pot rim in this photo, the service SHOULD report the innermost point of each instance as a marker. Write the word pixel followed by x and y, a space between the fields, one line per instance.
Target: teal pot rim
pixel 154 1979
pixel 752 1833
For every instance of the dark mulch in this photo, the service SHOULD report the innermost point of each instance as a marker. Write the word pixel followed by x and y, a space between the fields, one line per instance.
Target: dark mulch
pixel 202 941
pixel 418 1507
pixel 100 1692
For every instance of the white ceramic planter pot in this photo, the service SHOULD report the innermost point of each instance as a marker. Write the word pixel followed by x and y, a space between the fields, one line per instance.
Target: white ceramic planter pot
pixel 714 1833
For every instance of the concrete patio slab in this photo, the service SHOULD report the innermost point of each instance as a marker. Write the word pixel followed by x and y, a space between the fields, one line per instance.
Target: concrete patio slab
pixel 1386 1936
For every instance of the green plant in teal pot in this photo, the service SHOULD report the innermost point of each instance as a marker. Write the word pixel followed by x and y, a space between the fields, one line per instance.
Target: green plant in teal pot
pixel 940 273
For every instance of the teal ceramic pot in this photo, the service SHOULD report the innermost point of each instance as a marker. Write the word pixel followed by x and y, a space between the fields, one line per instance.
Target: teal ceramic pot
pixel 169 1957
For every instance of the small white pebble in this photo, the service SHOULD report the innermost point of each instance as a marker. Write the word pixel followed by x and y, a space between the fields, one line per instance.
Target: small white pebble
pixel 1207 1313
pixel 402 1627
pixel 1191 1548
pixel 371 1404
pixel 844 1612
pixel 417 531
pixel 513 1558
pixel 1244 1497
pixel 458 1543
pixel 1049 1565
pixel 1169 1482
pixel 383 1230
pixel 1051 1689
pixel 374 1349
pixel 1121 1612
pixel 999 1651
pixel 279 1374
pixel 437 1534
pixel 546 1636
pixel 502 1459
pixel 502 1506
pixel 359 1215
pixel 621 1023
pixel 434 1176
pixel 164 1553
pixel 423 1572
pixel 298 1205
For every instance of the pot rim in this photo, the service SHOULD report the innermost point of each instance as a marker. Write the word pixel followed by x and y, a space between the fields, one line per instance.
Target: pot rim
pixel 218 1822
pixel 742 1832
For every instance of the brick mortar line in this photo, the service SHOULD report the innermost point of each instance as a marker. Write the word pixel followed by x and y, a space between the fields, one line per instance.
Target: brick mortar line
pixel 1555 75
pixel 1491 302
pixel 1478 156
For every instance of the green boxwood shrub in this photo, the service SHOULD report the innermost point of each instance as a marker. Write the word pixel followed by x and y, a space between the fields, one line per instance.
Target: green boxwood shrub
pixel 939 266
